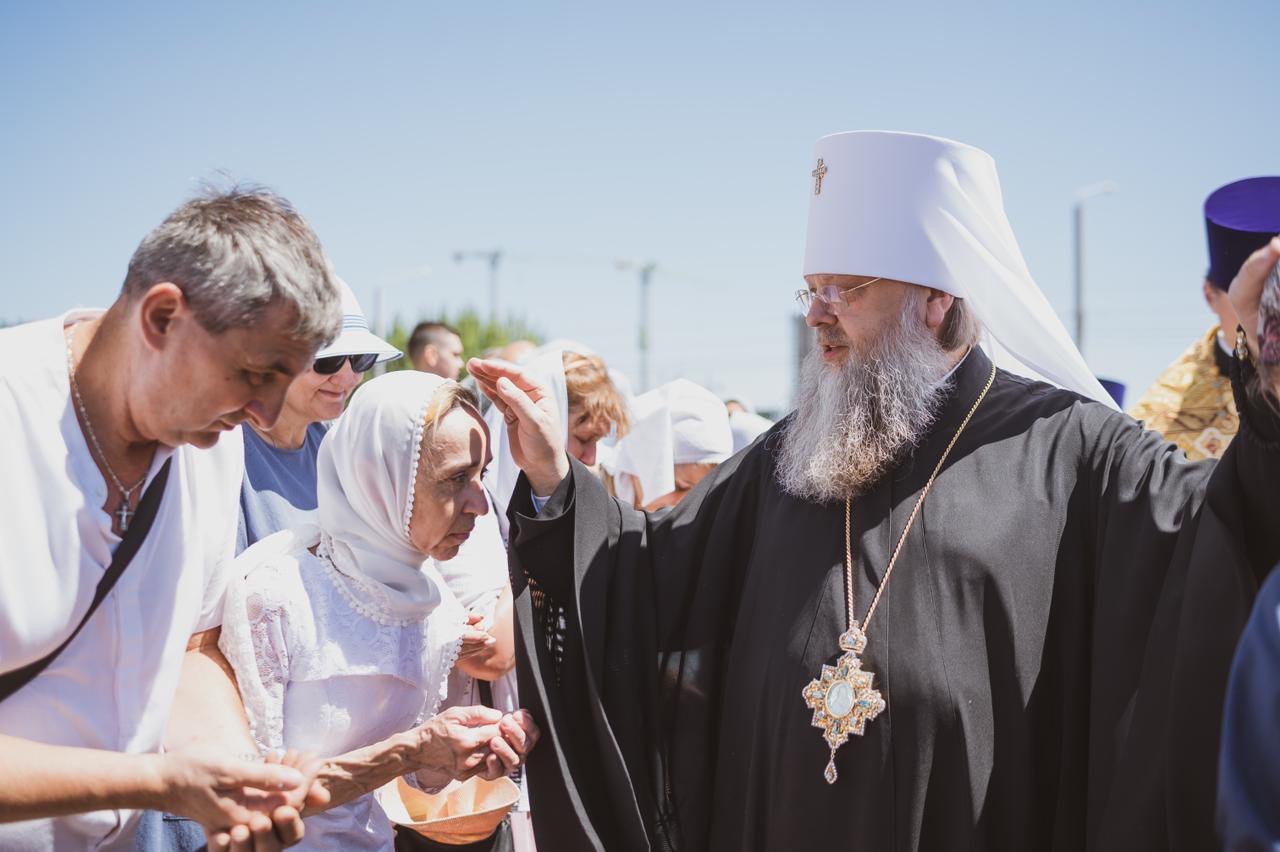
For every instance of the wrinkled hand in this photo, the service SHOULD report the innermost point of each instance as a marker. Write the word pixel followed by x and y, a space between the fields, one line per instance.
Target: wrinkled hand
pixel 1247 294
pixel 466 741
pixel 533 426
pixel 519 735
pixel 456 741
pixel 432 781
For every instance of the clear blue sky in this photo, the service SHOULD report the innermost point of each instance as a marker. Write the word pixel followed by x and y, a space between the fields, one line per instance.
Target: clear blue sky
pixel 571 135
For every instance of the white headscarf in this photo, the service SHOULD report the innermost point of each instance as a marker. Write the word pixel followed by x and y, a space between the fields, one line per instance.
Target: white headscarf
pixel 747 426
pixel 677 423
pixel 560 344
pixel 621 382
pixel 547 368
pixel 929 211
pixel 366 471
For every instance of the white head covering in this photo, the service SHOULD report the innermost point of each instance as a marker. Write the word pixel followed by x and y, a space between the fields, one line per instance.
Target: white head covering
pixel 929 211
pixel 699 424
pixel 747 426
pixel 547 368
pixel 355 337
pixel 622 384
pixel 560 344
pixel 677 423
pixel 366 472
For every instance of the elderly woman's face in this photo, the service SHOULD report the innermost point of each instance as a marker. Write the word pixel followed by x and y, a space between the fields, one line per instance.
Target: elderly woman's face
pixel 448 496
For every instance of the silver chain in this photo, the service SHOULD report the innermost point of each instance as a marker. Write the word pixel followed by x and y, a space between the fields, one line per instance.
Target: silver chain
pixel 88 425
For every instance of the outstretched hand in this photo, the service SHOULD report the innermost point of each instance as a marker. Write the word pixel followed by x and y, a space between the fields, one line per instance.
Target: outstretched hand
pixel 533 426
pixel 1247 296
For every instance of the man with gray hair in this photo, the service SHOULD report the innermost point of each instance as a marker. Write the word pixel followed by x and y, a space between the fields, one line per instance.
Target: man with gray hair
pixel 119 520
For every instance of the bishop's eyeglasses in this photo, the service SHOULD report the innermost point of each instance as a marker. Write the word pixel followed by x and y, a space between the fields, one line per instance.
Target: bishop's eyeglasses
pixel 831 297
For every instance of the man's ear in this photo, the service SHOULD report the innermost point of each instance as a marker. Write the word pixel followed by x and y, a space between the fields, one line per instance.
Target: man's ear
pixel 937 303
pixel 158 310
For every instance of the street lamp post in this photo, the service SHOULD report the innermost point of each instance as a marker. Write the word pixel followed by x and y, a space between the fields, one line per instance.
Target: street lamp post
pixel 1077 232
pixel 645 273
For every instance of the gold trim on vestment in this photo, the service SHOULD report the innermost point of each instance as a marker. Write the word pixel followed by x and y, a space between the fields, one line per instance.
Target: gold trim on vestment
pixel 1191 404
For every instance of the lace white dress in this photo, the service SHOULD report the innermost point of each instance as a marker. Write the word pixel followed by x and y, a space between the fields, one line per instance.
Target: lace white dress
pixel 324 668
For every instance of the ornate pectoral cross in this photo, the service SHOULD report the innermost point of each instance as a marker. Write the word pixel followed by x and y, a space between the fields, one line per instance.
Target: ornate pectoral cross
pixel 123 514
pixel 818 174
pixel 842 697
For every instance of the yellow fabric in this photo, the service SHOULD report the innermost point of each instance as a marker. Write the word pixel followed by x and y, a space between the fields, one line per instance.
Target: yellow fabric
pixel 1191 403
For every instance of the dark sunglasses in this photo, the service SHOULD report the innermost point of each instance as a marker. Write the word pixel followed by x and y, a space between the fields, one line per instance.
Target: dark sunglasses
pixel 332 364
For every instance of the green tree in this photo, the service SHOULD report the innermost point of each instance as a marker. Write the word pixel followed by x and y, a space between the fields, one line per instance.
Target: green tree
pixel 479 334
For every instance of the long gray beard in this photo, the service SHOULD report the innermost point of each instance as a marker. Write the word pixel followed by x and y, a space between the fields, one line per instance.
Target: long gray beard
pixel 854 422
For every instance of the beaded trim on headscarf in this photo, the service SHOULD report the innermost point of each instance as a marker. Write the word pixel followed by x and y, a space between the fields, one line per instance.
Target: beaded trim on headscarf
pixel 419 428
pixel 343 580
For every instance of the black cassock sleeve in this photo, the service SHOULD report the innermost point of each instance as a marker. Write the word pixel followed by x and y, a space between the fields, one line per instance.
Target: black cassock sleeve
pixel 1162 795
pixel 622 622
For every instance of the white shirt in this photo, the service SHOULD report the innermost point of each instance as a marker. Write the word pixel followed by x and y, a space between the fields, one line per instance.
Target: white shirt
pixel 113 687
pixel 321 670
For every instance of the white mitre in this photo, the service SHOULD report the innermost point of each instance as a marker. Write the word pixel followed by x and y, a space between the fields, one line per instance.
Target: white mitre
pixel 680 422
pixel 929 211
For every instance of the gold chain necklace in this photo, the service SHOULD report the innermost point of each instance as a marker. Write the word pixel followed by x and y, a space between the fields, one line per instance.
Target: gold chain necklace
pixel 842 698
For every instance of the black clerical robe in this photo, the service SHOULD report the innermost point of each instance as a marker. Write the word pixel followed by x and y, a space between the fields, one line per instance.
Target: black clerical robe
pixel 665 655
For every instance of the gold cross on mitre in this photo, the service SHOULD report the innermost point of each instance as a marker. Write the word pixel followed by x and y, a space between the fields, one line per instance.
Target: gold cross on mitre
pixel 818 174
